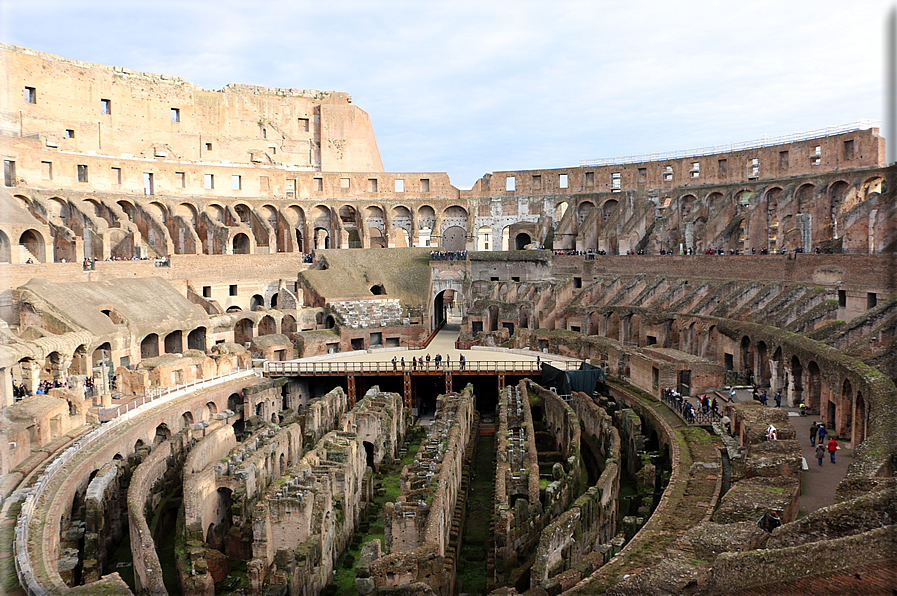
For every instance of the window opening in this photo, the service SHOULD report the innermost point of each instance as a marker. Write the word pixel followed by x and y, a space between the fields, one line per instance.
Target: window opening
pixel 510 183
pixel 236 182
pixel 69 133
pixel 175 114
pixel 208 181
pixel 105 106
pixel 82 173
pixel 562 180
pixel 30 95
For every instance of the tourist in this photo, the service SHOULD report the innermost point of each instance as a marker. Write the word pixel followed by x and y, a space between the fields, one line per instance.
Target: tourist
pixel 821 432
pixel 778 399
pixel 403 363
pixel 832 447
pixel 813 431
pixel 820 452
pixel 463 360
pixel 770 521
pixel 763 398
pixel 771 434
pixel 394 362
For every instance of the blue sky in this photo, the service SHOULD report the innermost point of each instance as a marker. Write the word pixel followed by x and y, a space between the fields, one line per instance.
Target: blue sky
pixel 474 87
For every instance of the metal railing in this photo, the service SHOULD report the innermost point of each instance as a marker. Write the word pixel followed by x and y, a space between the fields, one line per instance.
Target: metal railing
pixel 738 146
pixel 454 366
pixel 22 538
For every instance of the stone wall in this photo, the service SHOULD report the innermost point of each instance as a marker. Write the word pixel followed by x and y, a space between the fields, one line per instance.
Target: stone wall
pixel 159 467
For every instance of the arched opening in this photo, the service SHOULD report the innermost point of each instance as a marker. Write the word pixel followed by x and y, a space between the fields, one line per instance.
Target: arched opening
pixel 209 410
pixel 188 419
pixel 797 374
pixel 220 526
pixel 243 331
pixel 162 434
pixel 196 339
pixel 233 308
pixel 267 326
pixel 761 365
pixel 369 454
pixel 814 388
pixel 5 251
pixel 274 298
pixel 440 308
pixel 862 424
pixel 234 402
pixel 174 343
pixel 493 318
pixel 608 208
pixel 149 346
pixel 322 238
pixel 139 445
pixel 329 322
pixel 484 238
pixel 745 359
pixel 846 406
pixel 33 244
pixel 282 460
pixel 378 290
pixel 522 241
pixel 241 244
pixel 454 238
pixel 256 302
pixel 288 325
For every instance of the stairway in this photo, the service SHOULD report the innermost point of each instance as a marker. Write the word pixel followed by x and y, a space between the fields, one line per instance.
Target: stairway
pixel 25 254
pixel 487 429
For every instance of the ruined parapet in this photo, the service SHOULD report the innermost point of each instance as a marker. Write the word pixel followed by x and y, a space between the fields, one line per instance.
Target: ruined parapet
pixel 379 422
pixel 419 524
pixel 749 499
pixel 632 439
pixel 323 415
pixel 201 471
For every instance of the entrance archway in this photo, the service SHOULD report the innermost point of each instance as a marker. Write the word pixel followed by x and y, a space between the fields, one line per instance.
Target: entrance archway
pixel 521 241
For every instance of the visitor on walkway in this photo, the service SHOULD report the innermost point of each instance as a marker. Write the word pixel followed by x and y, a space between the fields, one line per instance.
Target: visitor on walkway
pixel 813 431
pixel 820 452
pixel 778 399
pixel 771 434
pixel 832 447
pixel 822 432
pixel 763 398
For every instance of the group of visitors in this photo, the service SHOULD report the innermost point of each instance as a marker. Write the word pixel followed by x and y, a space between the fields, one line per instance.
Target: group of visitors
pixel 20 391
pixel 448 255
pixel 685 408
pixel 424 362
pixel 307 258
pixel 818 433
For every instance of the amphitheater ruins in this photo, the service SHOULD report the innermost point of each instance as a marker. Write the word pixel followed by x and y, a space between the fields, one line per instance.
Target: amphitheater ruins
pixel 185 270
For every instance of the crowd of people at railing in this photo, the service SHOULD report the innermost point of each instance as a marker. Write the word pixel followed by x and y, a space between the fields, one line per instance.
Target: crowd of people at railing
pixel 709 406
pixel 448 255
pixel 424 362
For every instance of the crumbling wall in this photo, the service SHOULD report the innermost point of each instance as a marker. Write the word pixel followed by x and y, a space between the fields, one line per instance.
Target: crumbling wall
pixel 323 415
pixel 517 505
pixel 422 517
pixel 592 519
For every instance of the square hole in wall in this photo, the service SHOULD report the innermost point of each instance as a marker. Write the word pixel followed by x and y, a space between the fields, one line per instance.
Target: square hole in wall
pixel 70 133
pixel 207 291
pixel 232 290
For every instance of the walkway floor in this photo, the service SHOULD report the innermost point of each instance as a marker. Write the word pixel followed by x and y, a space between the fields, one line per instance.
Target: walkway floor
pixel 818 483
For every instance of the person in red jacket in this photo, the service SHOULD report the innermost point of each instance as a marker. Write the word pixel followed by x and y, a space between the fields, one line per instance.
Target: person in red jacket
pixel 832 447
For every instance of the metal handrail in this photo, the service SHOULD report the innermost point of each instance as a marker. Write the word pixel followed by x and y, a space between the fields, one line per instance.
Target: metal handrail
pixel 454 366
pixel 24 569
pixel 738 146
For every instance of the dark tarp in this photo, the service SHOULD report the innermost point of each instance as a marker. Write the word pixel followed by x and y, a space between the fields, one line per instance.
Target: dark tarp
pixel 567 381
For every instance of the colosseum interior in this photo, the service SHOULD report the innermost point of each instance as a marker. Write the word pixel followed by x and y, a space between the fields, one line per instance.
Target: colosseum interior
pixel 205 293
